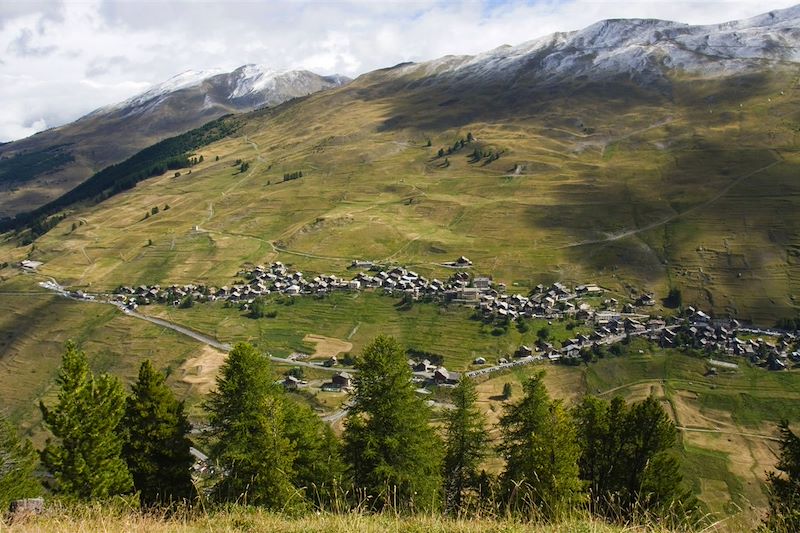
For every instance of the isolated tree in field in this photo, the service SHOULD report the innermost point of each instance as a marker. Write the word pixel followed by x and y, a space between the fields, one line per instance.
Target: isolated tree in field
pixel 17 465
pixel 394 456
pixel 247 423
pixel 258 308
pixel 625 459
pixel 541 453
pixel 86 458
pixel 507 391
pixel 543 333
pixel 465 441
pixel 156 444
pixel 783 486
pixel 674 299
pixel 440 153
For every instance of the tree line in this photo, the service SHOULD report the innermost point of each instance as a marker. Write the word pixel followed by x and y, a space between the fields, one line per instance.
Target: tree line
pixel 615 459
pixel 25 166
pixel 289 176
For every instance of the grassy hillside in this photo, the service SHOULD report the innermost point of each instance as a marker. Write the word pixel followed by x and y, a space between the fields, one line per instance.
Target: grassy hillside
pixel 695 189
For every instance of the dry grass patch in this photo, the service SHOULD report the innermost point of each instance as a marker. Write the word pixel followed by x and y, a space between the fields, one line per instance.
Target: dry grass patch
pixel 200 372
pixel 325 347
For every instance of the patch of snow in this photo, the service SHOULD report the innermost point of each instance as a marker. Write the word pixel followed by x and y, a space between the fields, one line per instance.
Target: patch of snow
pixel 251 79
pixel 184 80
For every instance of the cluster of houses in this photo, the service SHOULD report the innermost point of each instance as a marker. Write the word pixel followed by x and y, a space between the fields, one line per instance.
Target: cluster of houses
pixel 427 372
pixel 699 331
pixel 610 323
pixel 555 301
pixel 278 279
pixel 340 382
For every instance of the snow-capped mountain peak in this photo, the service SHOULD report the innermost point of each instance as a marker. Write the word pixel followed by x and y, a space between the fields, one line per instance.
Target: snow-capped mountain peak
pixel 246 87
pixel 184 80
pixel 645 50
pixel 252 78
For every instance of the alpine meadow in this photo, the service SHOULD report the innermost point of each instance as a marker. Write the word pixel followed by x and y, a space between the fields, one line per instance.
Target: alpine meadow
pixel 549 287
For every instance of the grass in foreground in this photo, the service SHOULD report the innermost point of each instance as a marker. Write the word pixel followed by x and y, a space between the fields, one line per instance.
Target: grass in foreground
pixel 97 517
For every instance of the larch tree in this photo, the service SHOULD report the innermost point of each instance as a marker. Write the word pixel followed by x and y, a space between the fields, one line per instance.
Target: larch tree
pixel 17 465
pixel 626 461
pixel 393 454
pixel 541 453
pixel 318 468
pixel 465 441
pixel 248 426
pixel 86 458
pixel 783 485
pixel 156 441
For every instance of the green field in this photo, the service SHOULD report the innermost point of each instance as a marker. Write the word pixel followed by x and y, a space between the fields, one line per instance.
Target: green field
pixel 449 331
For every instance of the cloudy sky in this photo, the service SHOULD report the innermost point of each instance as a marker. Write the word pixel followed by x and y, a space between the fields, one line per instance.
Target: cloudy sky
pixel 62 59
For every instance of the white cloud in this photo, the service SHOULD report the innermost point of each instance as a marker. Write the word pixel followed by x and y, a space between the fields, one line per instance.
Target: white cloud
pixel 61 60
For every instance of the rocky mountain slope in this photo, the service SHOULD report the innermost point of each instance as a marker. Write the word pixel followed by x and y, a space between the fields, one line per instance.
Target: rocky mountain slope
pixel 644 50
pixel 40 168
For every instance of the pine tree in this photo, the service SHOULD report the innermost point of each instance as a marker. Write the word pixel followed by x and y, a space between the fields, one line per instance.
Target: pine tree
pixel 393 454
pixel 86 462
pixel 248 424
pixel 156 446
pixel 464 445
pixel 541 453
pixel 784 485
pixel 17 465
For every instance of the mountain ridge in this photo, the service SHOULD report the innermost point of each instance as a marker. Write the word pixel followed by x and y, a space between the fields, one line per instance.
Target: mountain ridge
pixel 112 133
pixel 641 49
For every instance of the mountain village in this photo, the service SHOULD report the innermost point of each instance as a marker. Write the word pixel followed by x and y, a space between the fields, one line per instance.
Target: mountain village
pixel 610 321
